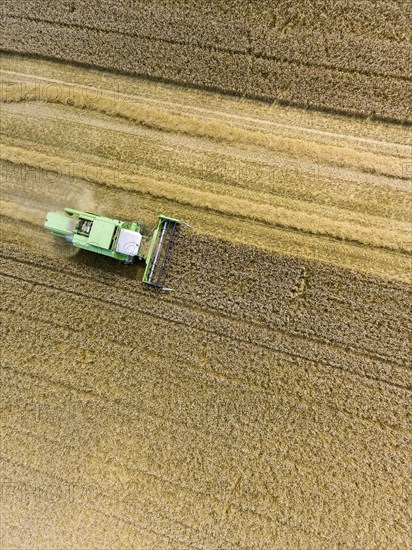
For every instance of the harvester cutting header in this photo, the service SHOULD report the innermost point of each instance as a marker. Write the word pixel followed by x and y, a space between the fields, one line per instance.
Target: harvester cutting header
pixel 123 241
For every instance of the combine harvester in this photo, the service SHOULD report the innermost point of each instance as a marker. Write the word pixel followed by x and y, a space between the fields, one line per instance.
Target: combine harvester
pixel 121 240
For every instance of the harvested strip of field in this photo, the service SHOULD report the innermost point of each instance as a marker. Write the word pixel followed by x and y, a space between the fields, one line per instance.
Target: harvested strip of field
pixel 266 403
pixel 299 191
pixel 320 54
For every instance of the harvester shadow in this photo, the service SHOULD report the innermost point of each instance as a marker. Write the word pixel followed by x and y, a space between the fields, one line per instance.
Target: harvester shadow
pixel 106 265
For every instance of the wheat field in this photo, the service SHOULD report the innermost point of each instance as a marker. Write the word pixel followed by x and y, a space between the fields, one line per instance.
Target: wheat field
pixel 266 403
pixel 351 57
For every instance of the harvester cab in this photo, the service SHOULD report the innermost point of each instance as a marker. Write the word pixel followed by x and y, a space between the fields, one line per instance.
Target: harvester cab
pixel 121 240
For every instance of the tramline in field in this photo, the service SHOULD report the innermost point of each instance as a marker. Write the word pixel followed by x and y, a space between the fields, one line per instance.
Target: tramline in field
pixel 121 240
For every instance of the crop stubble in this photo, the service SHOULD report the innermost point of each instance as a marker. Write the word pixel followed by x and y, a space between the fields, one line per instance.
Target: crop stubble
pixel 267 402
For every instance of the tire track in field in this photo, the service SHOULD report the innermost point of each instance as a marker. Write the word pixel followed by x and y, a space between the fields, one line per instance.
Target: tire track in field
pixel 281 318
pixel 245 384
pixel 210 128
pixel 190 306
pixel 240 334
pixel 26 80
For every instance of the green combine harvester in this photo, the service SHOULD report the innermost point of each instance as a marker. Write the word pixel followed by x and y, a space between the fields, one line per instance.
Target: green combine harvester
pixel 123 241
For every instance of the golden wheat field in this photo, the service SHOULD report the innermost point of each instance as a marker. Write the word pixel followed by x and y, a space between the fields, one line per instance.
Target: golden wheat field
pixel 266 403
pixel 352 57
